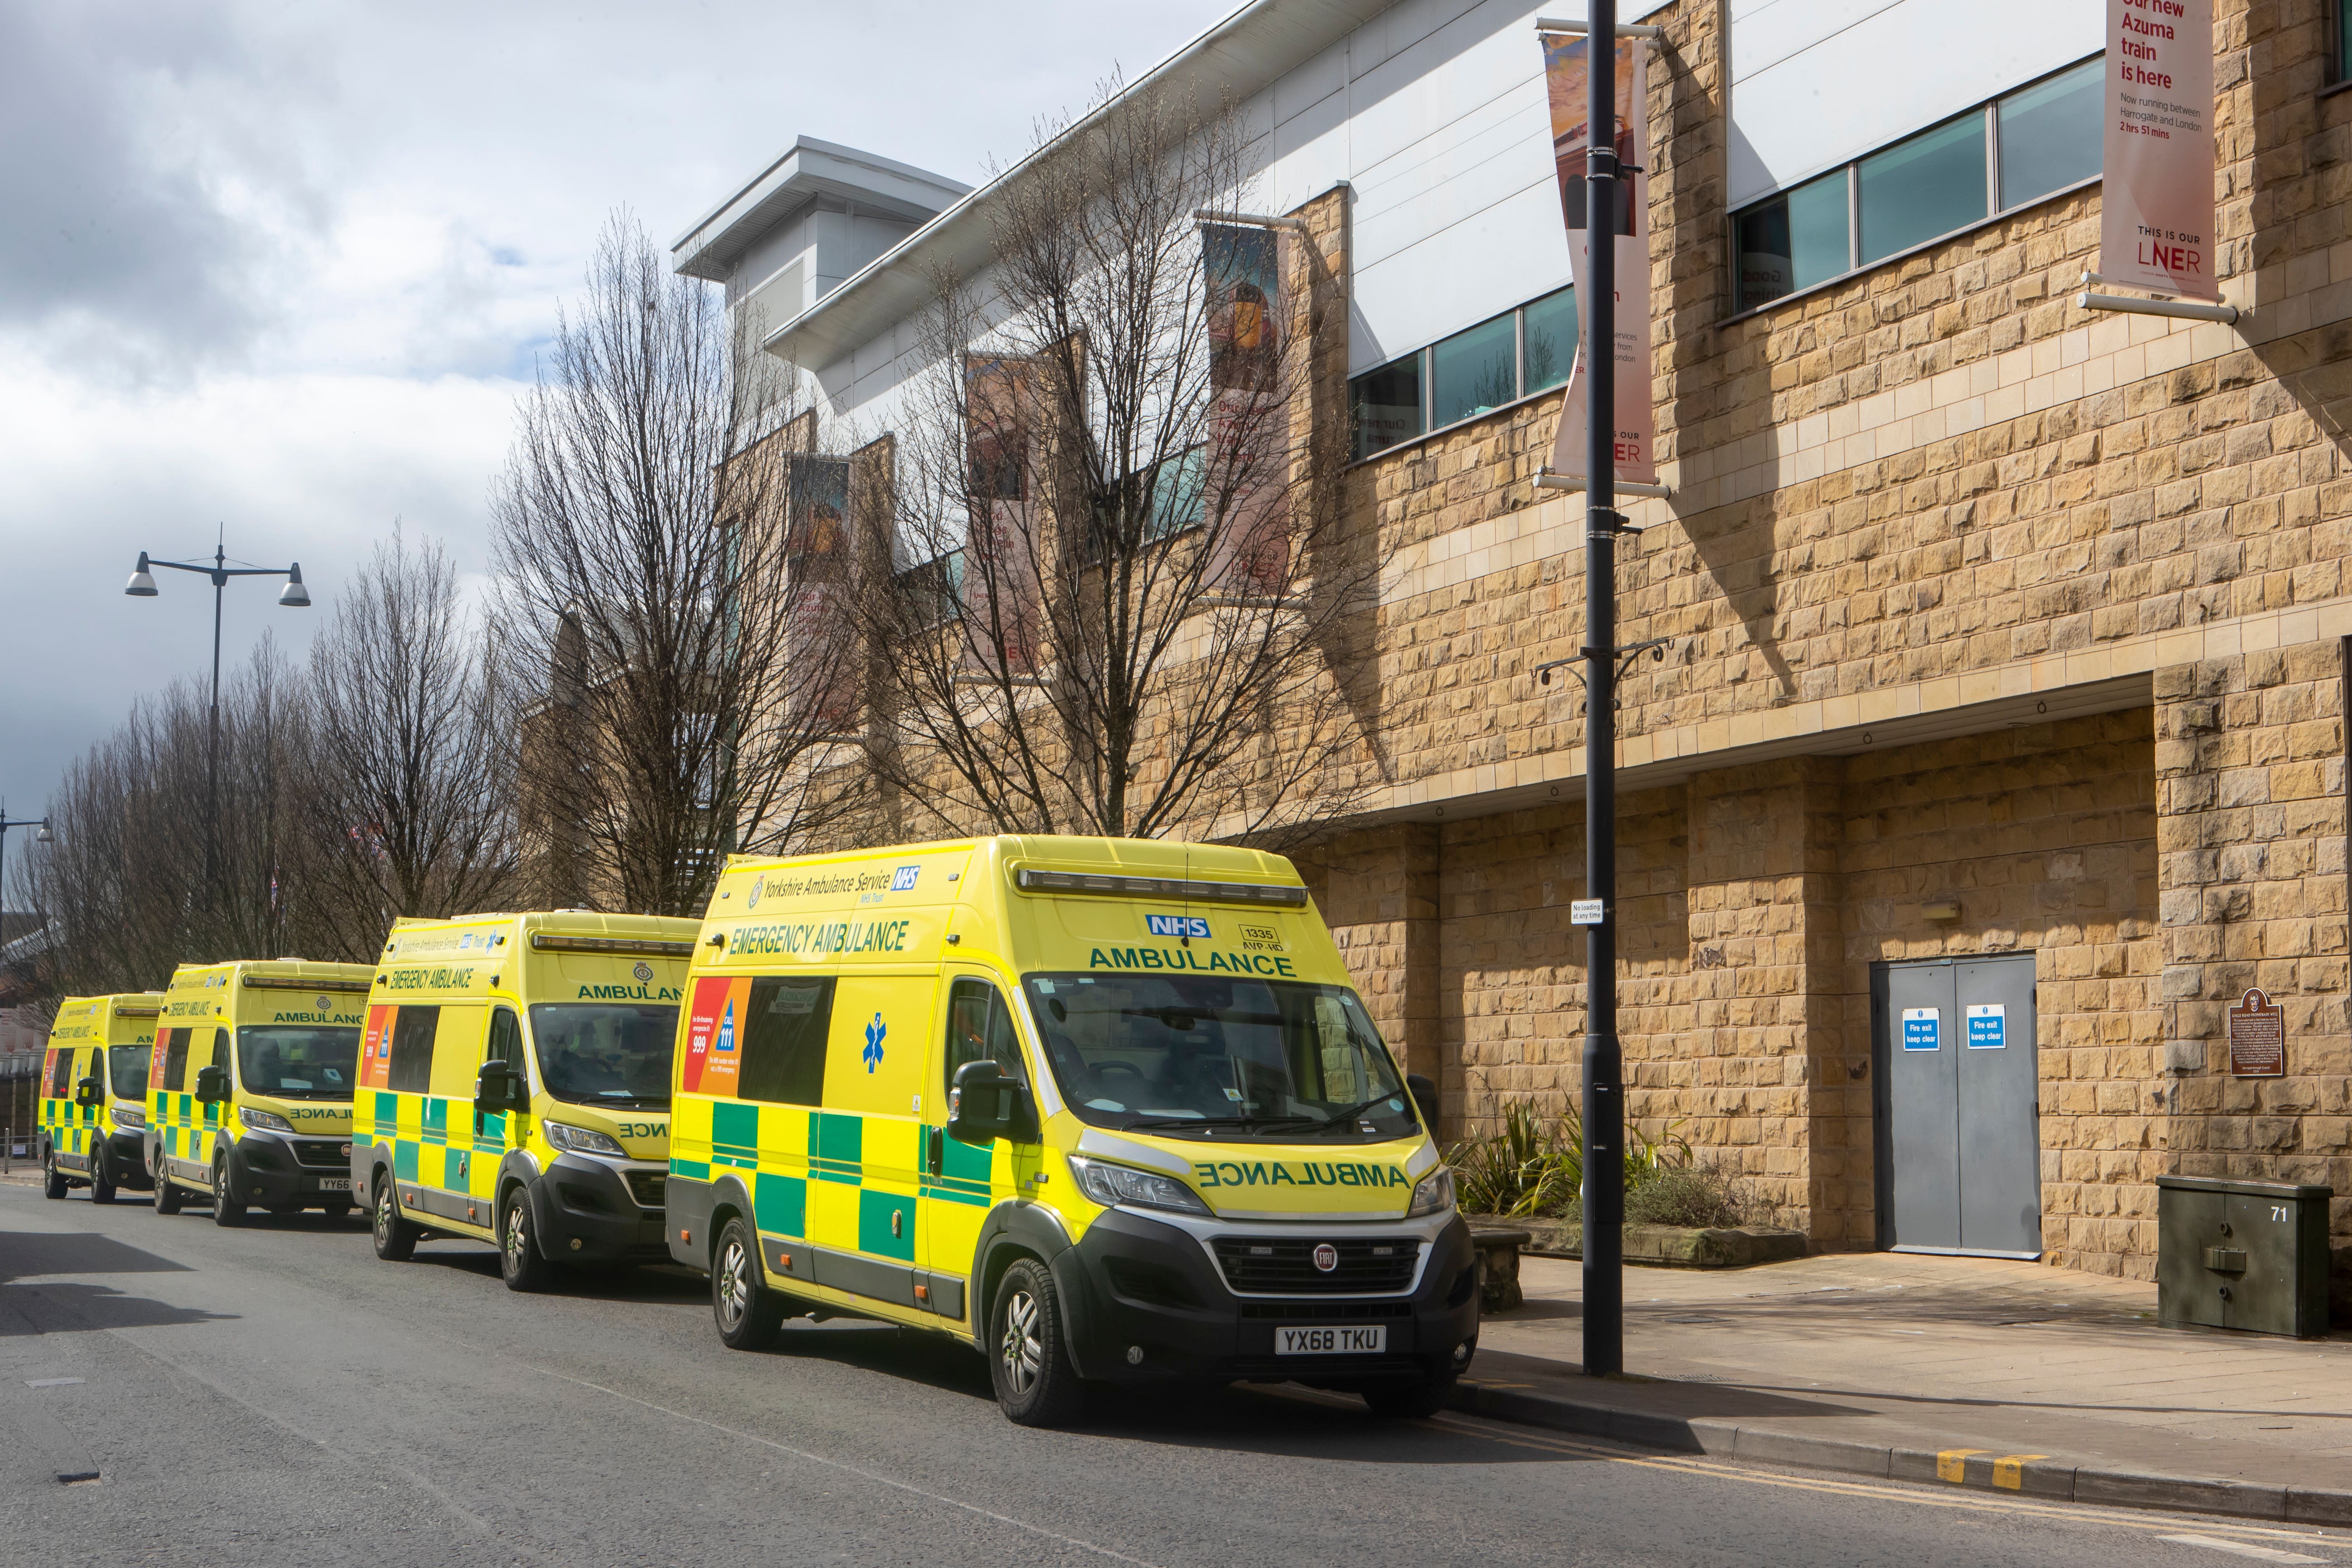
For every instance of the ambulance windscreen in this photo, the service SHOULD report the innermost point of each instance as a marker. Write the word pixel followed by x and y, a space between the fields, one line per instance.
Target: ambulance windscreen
pixel 298 1061
pixel 604 1053
pixel 1254 1058
pixel 126 1070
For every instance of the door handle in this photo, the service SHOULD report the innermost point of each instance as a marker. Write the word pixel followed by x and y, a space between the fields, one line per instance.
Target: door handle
pixel 935 1154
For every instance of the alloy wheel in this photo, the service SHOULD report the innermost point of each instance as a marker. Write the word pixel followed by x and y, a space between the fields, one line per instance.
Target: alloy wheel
pixel 1022 1351
pixel 734 1285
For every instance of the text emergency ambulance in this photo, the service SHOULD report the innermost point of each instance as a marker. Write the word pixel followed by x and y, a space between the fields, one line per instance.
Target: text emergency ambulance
pixel 94 1094
pixel 514 1086
pixel 249 1088
pixel 1107 1109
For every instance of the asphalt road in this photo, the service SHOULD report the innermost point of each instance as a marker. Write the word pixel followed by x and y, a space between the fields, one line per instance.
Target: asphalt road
pixel 276 1395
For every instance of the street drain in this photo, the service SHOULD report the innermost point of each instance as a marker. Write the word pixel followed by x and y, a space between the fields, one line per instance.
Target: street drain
pixel 78 1477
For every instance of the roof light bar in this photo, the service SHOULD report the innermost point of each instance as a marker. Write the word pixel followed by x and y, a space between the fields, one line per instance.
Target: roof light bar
pixel 296 983
pixel 1277 894
pixel 139 1012
pixel 642 947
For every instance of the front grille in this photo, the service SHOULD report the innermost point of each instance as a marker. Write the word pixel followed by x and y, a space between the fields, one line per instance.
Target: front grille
pixel 326 1153
pixel 1325 1311
pixel 646 1187
pixel 1270 1266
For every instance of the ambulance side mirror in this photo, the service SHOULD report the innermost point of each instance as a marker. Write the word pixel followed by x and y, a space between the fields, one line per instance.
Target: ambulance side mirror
pixel 498 1090
pixel 1424 1100
pixel 212 1084
pixel 984 1105
pixel 88 1092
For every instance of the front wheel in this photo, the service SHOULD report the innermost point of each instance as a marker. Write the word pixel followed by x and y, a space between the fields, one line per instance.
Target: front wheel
pixel 226 1209
pixel 520 1263
pixel 168 1197
pixel 395 1238
pixel 748 1313
pixel 101 1178
pixel 1036 1385
pixel 53 1181
pixel 1411 1401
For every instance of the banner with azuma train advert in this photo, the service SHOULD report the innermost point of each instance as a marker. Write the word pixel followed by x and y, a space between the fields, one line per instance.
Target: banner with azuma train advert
pixel 1243 497
pixel 2156 201
pixel 1567 74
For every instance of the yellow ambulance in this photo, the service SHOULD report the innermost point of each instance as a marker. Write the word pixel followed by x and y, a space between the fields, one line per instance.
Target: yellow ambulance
pixel 249 1088
pixel 1108 1109
pixel 94 1094
pixel 514 1086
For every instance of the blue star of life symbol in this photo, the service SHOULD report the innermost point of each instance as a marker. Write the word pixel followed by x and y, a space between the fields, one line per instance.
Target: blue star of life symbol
pixel 874 1031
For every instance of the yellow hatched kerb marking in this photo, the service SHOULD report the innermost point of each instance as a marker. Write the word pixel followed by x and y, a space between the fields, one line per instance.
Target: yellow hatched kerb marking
pixel 1952 1463
pixel 2010 1470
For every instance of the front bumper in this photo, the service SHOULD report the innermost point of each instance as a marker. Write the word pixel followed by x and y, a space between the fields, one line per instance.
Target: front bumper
pixel 585 1213
pixel 126 1160
pixel 264 1172
pixel 1135 1283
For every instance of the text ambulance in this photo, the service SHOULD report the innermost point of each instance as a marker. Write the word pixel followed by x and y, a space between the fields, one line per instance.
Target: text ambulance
pixel 249 1088
pixel 514 1086
pixel 94 1094
pixel 1107 1109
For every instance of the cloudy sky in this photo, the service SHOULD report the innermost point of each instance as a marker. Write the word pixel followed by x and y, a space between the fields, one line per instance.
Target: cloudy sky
pixel 283 269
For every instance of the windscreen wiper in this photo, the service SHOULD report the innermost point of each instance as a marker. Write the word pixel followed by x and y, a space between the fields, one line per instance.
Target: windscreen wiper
pixel 1178 1123
pixel 1339 1118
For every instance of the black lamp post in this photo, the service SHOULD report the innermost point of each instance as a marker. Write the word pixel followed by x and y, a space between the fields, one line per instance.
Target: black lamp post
pixel 293 596
pixel 6 823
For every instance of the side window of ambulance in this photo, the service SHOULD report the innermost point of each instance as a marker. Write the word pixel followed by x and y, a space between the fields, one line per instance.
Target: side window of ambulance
pixel 60 1070
pixel 412 1050
pixel 220 1049
pixel 783 1039
pixel 175 1061
pixel 980 1028
pixel 506 1040
pixel 97 1067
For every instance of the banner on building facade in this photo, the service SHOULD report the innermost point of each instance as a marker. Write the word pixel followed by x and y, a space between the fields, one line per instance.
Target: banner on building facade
pixel 1003 596
pixel 1244 492
pixel 2156 205
pixel 816 557
pixel 1567 63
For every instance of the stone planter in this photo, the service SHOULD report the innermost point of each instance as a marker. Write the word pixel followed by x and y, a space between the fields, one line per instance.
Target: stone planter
pixel 1659 1246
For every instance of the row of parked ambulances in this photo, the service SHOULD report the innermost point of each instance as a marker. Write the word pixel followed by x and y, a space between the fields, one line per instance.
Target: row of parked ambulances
pixel 1108 1110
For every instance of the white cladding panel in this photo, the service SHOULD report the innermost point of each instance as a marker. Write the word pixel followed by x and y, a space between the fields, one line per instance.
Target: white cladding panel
pixel 1816 82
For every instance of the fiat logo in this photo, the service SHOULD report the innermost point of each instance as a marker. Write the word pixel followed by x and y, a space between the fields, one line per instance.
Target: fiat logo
pixel 1327 1256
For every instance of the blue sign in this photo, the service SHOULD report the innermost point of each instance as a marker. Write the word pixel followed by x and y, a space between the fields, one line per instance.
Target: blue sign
pixel 902 880
pixel 1177 925
pixel 876 1032
pixel 1987 1026
pixel 1923 1029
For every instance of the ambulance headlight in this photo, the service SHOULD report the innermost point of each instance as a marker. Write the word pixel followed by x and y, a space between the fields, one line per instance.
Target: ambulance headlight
pixel 581 1140
pixel 1111 1185
pixel 129 1118
pixel 268 1120
pixel 1435 1196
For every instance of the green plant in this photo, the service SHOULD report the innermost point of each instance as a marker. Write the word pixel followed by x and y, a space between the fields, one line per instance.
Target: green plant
pixel 1691 1196
pixel 1529 1169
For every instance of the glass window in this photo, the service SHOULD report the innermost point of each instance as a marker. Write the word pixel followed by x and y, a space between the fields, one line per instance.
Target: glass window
pixel 1272 1060
pixel 1551 337
pixel 598 1053
pixel 1795 240
pixel 2050 133
pixel 1473 371
pixel 412 1050
pixel 128 1064
pixel 1386 404
pixel 298 1061
pixel 787 1021
pixel 1930 185
pixel 176 1060
pixel 980 1028
pixel 60 1073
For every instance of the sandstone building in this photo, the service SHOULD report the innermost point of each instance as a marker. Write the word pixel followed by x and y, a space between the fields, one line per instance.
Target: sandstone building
pixel 1994 627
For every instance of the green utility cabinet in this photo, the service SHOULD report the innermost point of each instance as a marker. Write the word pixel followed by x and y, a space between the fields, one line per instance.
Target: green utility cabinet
pixel 2242 1255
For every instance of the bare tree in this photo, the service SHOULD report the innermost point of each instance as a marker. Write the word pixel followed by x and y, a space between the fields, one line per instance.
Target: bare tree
pixel 1122 600
pixel 402 795
pixel 692 684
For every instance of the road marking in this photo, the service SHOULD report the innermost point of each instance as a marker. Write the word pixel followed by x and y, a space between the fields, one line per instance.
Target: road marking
pixel 50 1381
pixel 2266 1553
pixel 2010 1470
pixel 1952 1463
pixel 857 1471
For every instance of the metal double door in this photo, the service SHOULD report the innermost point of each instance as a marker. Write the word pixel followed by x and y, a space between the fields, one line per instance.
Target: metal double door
pixel 1959 1109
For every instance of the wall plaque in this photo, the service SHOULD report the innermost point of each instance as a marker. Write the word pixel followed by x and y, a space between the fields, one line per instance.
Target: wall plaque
pixel 2257 1038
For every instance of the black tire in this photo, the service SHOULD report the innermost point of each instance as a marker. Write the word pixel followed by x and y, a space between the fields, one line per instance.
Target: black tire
pixel 1029 1358
pixel 748 1313
pixel 101 1177
pixel 226 1209
pixel 395 1237
pixel 168 1198
pixel 520 1263
pixel 53 1181
pixel 1410 1401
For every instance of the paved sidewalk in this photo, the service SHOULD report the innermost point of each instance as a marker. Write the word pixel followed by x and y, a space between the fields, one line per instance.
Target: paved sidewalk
pixel 1882 1362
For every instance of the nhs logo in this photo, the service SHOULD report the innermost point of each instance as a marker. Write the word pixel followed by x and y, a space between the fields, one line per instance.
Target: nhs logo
pixel 902 880
pixel 1177 925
